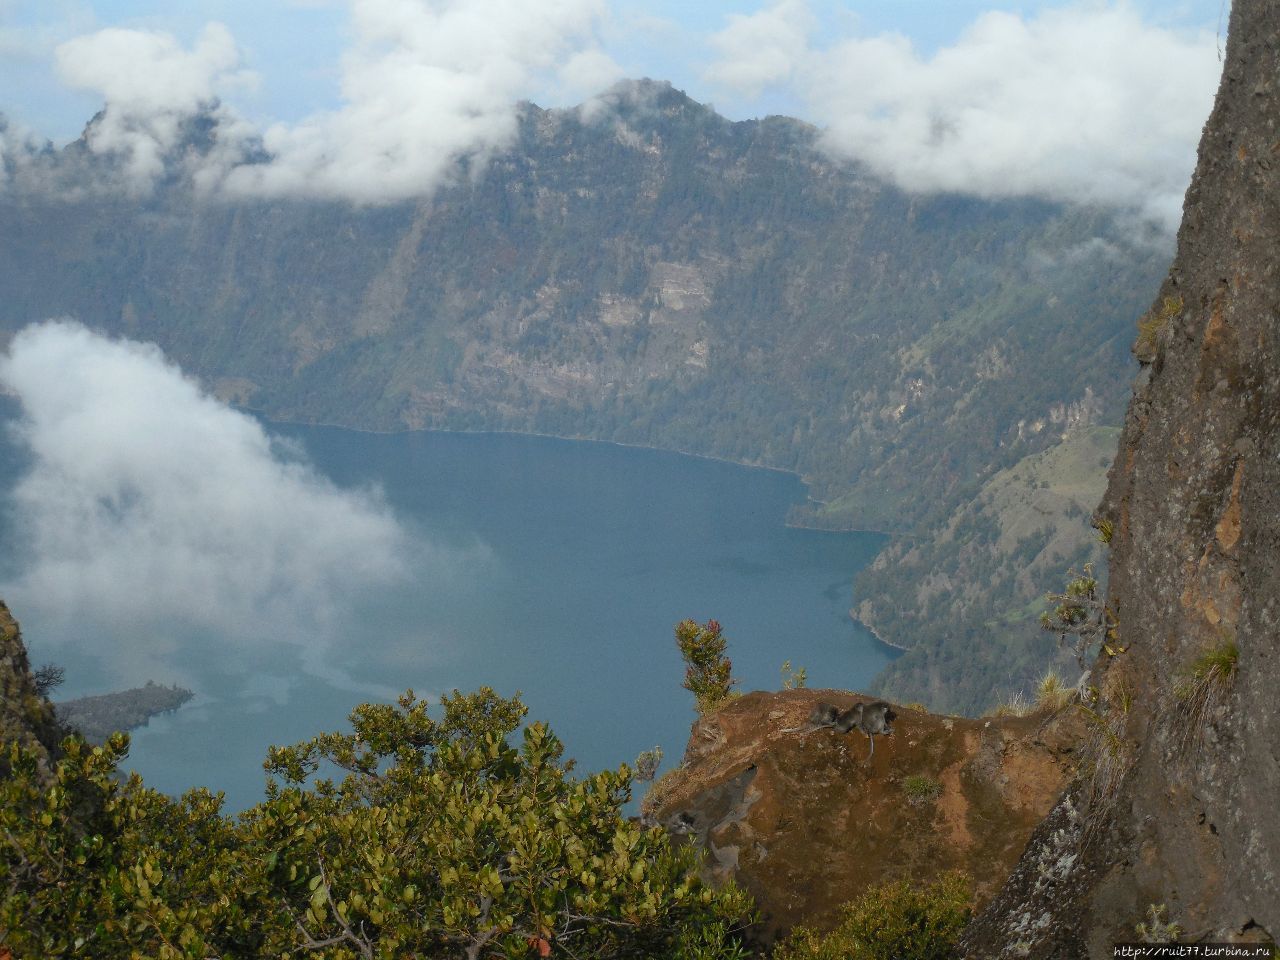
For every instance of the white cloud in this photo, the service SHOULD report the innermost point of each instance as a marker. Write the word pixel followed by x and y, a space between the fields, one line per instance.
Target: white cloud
pixel 587 73
pixel 762 49
pixel 150 85
pixel 1086 102
pixel 425 84
pixel 150 505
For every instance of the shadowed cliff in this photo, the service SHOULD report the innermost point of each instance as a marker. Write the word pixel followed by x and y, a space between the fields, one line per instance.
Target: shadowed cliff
pixel 1180 808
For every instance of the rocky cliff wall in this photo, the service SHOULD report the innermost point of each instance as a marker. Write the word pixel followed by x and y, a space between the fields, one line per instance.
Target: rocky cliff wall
pixel 26 717
pixel 1181 807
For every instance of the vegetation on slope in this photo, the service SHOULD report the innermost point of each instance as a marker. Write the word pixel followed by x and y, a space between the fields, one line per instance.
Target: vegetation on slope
pixel 649 273
pixel 891 921
pixel 441 840
pixel 967 598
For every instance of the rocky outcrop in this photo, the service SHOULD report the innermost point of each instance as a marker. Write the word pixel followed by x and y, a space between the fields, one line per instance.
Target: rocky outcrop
pixel 803 821
pixel 26 716
pixel 1180 807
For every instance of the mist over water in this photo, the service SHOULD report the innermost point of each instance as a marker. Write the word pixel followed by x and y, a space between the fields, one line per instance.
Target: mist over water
pixel 554 568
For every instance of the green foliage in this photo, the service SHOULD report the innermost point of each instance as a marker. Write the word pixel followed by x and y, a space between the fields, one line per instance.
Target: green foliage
pixel 647 764
pixel 891 921
pixel 1151 323
pixel 793 679
pixel 920 789
pixel 441 839
pixel 1215 665
pixel 1080 612
pixel 1201 688
pixel 708 672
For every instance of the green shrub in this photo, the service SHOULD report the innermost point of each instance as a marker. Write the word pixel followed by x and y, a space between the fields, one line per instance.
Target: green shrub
pixel 891 921
pixel 441 840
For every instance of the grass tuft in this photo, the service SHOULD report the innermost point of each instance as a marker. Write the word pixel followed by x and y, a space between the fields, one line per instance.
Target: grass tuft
pixel 1052 694
pixel 1202 686
pixel 1149 326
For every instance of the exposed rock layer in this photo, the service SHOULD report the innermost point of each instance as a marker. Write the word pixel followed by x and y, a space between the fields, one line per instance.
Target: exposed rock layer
pixel 1184 812
pixel 804 822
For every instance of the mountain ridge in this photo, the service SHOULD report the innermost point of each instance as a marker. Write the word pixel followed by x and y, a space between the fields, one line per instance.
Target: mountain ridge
pixel 644 272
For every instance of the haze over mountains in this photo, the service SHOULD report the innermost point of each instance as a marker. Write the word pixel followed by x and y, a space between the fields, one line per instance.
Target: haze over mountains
pixel 642 270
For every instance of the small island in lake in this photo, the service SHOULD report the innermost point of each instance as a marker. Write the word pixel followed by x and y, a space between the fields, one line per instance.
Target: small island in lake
pixel 99 717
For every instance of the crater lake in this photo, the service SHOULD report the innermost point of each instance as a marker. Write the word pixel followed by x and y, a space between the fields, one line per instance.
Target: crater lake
pixel 555 568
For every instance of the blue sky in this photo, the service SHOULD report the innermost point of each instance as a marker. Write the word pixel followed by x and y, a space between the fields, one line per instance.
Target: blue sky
pixel 295 45
pixel 374 100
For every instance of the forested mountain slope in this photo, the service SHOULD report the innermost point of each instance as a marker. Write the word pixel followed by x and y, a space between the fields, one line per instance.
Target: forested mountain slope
pixel 640 270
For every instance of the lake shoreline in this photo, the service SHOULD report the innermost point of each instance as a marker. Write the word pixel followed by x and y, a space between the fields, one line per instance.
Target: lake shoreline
pixel 749 464
pixel 853 615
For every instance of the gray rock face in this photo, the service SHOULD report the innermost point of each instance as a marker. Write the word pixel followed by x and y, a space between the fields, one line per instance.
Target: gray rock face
pixel 1181 806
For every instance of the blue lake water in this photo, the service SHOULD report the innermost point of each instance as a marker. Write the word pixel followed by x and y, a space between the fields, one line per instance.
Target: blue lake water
pixel 558 569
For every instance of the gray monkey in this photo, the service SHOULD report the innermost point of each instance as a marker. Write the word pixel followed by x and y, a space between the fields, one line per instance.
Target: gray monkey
pixel 870 718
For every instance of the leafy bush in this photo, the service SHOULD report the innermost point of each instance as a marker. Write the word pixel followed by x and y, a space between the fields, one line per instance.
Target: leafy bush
pixel 440 840
pixel 891 921
pixel 647 764
pixel 708 673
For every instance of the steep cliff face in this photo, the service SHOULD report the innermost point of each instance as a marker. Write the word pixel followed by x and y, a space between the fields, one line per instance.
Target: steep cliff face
pixel 26 717
pixel 805 821
pixel 1181 807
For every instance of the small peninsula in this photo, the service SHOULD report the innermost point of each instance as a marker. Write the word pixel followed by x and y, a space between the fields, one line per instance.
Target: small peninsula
pixel 99 717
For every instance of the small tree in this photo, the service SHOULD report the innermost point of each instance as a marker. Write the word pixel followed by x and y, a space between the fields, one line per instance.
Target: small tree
pixel 48 677
pixel 1080 612
pixel 709 673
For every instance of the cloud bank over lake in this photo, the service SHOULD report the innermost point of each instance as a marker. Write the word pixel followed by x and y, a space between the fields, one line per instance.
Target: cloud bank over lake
pixel 150 505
